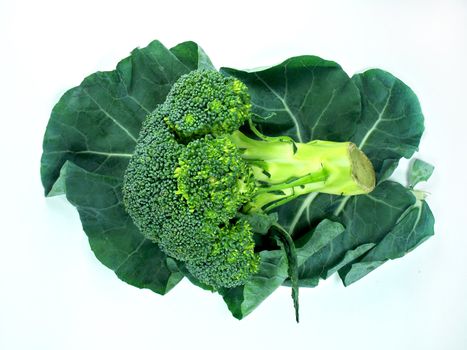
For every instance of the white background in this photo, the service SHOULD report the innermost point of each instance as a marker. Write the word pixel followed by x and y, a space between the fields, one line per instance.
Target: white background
pixel 54 294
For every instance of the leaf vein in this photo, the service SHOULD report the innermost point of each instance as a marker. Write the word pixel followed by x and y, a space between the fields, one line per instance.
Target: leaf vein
pixel 286 107
pixel 108 115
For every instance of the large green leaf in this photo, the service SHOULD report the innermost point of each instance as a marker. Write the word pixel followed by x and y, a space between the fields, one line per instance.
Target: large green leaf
pixel 369 220
pixel 413 227
pixel 304 97
pixel 392 120
pixel 242 300
pixel 95 125
pixel 390 128
pixel 192 56
pixel 89 139
pixel 113 237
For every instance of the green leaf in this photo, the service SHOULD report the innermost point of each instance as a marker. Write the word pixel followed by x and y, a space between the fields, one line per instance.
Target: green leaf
pixel 419 171
pixel 87 145
pixel 349 257
pixel 95 125
pixel 392 121
pixel 306 98
pixel 414 227
pixel 259 222
pixel 366 218
pixel 316 240
pixel 242 300
pixel 385 224
pixel 312 243
pixel 113 237
pixel 387 169
pixel 192 56
pixel 273 270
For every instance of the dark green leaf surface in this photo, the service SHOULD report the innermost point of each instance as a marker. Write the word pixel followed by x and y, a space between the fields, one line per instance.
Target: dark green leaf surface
pixel 113 237
pixel 242 300
pixel 413 228
pixel 306 98
pixel 366 218
pixel 392 121
pixel 95 125
pixel 192 56
pixel 349 256
pixel 313 242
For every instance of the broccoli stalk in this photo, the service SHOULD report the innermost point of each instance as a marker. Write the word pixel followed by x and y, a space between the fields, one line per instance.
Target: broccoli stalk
pixel 284 169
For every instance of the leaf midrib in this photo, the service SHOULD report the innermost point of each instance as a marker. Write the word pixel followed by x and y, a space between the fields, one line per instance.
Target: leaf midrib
pixel 378 120
pixel 287 109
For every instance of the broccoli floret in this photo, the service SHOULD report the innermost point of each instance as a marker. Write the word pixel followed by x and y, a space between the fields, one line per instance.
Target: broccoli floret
pixel 193 171
pixel 205 102
pixel 232 259
pixel 213 177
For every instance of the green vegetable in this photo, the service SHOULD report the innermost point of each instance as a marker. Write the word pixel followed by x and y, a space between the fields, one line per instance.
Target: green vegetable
pixel 193 170
pixel 93 134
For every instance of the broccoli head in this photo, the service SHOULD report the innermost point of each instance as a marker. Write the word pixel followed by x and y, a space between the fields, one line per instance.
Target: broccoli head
pixel 193 171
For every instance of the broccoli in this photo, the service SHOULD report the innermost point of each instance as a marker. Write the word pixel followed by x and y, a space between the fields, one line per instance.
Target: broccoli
pixel 194 174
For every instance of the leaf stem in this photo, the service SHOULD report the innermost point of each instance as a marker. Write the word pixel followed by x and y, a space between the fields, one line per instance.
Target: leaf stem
pixel 291 253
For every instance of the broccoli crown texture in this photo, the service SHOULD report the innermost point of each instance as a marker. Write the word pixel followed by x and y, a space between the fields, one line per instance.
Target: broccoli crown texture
pixel 193 171
pixel 151 199
pixel 232 258
pixel 213 177
pixel 205 102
